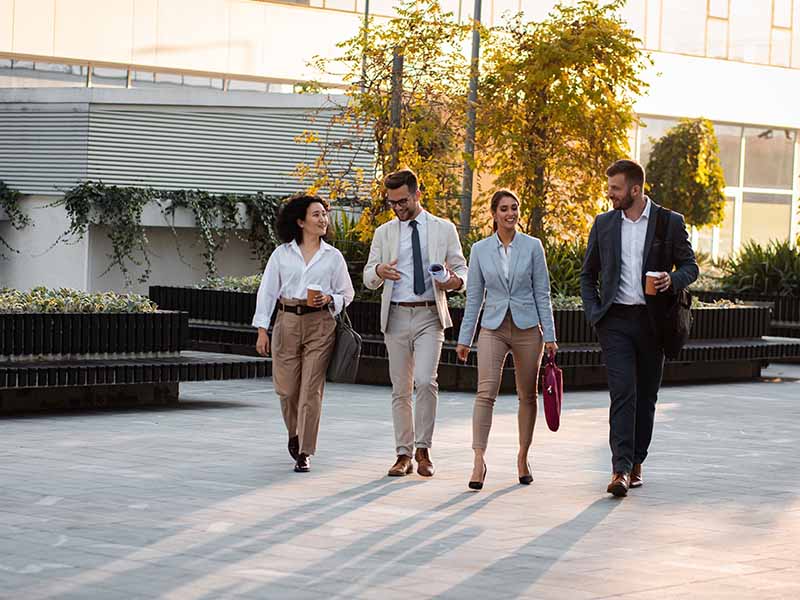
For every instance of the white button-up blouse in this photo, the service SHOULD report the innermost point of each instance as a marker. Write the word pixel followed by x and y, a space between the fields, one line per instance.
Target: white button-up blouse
pixel 288 276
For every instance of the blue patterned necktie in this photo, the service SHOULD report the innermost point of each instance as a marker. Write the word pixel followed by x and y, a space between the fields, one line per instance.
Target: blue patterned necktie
pixel 419 276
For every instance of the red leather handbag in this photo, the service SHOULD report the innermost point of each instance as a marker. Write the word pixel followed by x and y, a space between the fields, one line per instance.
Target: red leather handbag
pixel 552 391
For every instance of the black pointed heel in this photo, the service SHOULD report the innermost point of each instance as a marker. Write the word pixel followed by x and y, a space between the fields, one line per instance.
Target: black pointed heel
pixel 527 479
pixel 478 485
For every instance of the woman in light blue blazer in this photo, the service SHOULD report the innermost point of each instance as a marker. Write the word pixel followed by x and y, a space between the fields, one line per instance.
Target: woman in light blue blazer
pixel 507 277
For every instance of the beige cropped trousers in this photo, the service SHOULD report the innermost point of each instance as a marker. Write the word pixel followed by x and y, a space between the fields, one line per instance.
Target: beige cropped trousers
pixel 527 348
pixel 302 346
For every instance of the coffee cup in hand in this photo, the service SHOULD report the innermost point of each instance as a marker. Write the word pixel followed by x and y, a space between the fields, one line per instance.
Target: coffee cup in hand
pixel 438 273
pixel 650 282
pixel 313 291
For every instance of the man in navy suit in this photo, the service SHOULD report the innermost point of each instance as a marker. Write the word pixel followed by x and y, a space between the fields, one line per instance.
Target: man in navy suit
pixel 622 247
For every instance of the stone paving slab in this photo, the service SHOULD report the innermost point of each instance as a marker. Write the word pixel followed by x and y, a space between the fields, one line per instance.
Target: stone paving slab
pixel 200 502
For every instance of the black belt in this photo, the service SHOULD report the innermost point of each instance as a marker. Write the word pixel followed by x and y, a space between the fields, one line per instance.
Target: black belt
pixel 628 308
pixel 415 304
pixel 299 309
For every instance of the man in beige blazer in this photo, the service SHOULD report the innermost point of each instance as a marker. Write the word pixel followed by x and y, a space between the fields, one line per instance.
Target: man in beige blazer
pixel 414 312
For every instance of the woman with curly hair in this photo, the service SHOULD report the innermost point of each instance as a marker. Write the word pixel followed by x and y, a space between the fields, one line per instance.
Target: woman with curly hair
pixel 307 279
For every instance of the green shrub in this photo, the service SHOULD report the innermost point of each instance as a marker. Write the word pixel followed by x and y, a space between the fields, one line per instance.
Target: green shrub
pixel 247 283
pixel 65 300
pixel 564 261
pixel 773 269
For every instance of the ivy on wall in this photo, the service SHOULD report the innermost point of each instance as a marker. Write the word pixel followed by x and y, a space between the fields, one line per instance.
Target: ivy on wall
pixel 217 216
pixel 9 202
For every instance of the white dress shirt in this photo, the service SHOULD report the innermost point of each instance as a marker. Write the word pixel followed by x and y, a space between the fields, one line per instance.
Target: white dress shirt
pixel 288 276
pixel 505 254
pixel 630 275
pixel 403 288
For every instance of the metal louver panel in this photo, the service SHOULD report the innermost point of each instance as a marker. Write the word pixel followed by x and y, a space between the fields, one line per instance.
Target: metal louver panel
pixel 219 150
pixel 43 152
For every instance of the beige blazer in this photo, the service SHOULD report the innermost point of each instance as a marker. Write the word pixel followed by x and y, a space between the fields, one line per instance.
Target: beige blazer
pixel 444 247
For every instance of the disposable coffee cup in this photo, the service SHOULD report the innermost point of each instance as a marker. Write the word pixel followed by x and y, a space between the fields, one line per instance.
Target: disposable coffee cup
pixel 313 290
pixel 438 272
pixel 650 282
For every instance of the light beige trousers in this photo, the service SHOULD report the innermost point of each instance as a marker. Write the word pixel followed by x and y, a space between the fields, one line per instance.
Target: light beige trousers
pixel 414 337
pixel 301 350
pixel 527 348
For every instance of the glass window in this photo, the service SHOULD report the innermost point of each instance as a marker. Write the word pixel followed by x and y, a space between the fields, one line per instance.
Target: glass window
pixel 683 26
pixel 704 240
pixel 782 13
pixel 107 77
pixel 5 63
pixel 768 157
pixel 634 15
pixel 750 30
pixel 726 229
pixel 718 8
pixel 25 74
pixel 781 51
pixel 729 138
pixel 766 217
pixel 652 130
pixel 717 38
pixel 168 79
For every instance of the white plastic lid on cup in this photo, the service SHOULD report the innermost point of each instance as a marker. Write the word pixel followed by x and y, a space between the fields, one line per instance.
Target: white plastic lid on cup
pixel 653 274
pixel 315 287
pixel 438 272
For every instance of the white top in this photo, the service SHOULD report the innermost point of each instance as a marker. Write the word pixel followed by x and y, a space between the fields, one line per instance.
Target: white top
pixel 505 254
pixel 288 276
pixel 630 275
pixel 403 288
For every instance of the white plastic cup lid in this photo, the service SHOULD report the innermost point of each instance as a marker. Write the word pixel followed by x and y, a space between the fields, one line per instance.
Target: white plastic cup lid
pixel 653 274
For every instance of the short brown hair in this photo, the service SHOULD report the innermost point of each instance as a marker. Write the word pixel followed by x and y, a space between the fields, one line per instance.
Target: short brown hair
pixel 633 171
pixel 400 178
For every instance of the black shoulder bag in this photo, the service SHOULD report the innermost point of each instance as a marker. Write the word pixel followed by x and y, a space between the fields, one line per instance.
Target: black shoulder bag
pixel 677 316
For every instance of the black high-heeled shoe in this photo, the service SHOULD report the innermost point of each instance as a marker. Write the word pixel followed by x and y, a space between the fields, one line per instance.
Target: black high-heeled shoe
pixel 527 479
pixel 477 485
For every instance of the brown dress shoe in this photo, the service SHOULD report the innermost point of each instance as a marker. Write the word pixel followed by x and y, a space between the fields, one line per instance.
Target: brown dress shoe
pixel 636 476
pixel 403 466
pixel 619 484
pixel 424 465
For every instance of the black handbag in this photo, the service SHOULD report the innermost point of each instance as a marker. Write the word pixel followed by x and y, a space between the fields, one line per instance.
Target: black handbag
pixel 677 319
pixel 343 366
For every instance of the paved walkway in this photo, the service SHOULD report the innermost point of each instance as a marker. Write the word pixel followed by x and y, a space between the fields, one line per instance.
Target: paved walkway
pixel 201 502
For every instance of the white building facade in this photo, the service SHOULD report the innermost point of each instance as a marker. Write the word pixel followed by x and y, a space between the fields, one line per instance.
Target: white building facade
pixel 205 91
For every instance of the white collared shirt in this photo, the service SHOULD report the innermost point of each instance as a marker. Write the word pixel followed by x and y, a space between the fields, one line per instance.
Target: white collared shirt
pixel 630 274
pixel 505 254
pixel 403 288
pixel 288 276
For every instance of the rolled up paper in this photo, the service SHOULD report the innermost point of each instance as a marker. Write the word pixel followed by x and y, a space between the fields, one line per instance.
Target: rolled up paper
pixel 438 272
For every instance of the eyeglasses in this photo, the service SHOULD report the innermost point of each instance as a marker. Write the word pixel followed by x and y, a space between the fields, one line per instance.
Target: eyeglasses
pixel 399 203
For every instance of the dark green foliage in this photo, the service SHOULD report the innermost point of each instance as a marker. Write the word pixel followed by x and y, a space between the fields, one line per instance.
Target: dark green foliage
pixel 218 217
pixel 9 202
pixel 564 261
pixel 684 172
pixel 771 270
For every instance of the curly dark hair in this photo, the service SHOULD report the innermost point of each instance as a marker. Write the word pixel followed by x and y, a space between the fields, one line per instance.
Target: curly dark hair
pixel 295 208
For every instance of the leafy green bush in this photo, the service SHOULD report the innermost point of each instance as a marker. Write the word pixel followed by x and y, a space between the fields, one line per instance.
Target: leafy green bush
pixel 564 261
pixel 65 300
pixel 247 283
pixel 773 269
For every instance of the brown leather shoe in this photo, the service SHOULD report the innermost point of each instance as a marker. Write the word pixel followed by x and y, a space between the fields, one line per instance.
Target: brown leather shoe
pixel 619 484
pixel 403 466
pixel 424 465
pixel 636 476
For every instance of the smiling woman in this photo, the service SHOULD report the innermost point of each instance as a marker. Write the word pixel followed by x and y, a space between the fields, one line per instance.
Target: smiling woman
pixel 307 279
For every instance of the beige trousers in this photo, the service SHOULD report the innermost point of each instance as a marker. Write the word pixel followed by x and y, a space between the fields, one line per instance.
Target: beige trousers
pixel 527 348
pixel 301 350
pixel 414 337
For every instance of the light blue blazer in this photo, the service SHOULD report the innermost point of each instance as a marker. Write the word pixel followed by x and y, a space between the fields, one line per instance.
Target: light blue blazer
pixel 526 293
